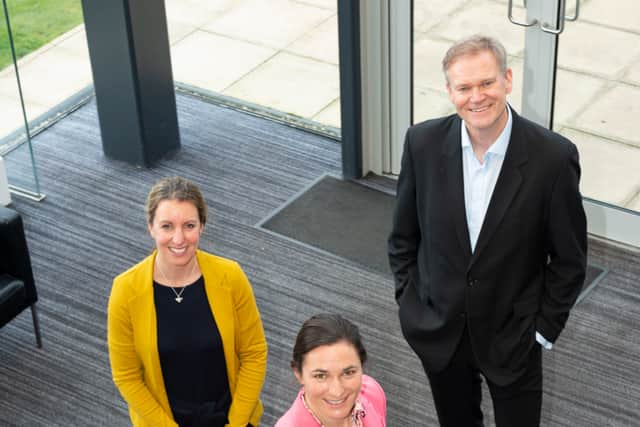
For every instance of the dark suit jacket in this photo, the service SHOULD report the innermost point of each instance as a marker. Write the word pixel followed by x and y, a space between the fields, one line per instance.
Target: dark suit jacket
pixel 530 259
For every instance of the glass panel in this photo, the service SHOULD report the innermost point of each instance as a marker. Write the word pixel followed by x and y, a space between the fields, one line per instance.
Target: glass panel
pixel 279 56
pixel 436 25
pixel 53 66
pixel 597 102
pixel 14 137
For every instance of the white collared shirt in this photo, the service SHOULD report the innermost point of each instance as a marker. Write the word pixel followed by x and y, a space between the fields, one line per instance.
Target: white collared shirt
pixel 480 181
pixel 480 178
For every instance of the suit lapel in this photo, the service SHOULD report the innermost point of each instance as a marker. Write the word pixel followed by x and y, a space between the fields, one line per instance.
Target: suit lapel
pixel 452 161
pixel 506 188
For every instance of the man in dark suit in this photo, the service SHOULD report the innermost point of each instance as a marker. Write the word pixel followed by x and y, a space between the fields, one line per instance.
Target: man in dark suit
pixel 488 247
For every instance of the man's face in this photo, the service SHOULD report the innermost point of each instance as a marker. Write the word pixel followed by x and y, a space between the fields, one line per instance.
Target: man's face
pixel 479 92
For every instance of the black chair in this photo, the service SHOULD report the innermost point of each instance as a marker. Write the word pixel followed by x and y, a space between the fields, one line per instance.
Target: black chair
pixel 17 287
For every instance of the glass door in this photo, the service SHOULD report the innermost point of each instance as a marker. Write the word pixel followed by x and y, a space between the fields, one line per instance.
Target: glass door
pixel 597 106
pixel 576 69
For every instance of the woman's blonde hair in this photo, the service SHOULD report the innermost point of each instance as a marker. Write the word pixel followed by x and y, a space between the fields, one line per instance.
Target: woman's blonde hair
pixel 175 188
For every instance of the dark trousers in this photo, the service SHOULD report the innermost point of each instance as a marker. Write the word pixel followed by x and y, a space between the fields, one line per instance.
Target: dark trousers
pixel 457 392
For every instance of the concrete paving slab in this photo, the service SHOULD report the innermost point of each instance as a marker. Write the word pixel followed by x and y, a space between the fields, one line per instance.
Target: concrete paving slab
pixel 272 23
pixel 76 44
pixel 291 84
pixel 517 70
pixel 54 76
pixel 574 92
pixel 607 53
pixel 609 169
pixel 178 30
pixel 214 62
pixel 622 14
pixel 614 114
pixel 634 205
pixel 320 43
pixel 427 13
pixel 12 118
pixel 325 4
pixel 330 115
pixel 633 74
pixel 196 13
pixel 427 62
pixel 486 17
pixel 429 104
pixel 8 86
pixel 521 3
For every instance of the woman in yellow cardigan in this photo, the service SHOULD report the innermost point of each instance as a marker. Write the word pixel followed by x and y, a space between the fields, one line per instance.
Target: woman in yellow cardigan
pixel 186 342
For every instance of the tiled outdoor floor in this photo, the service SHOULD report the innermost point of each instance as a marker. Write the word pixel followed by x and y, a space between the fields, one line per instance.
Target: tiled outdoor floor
pixel 609 165
pixel 283 54
pixel 314 84
pixel 226 60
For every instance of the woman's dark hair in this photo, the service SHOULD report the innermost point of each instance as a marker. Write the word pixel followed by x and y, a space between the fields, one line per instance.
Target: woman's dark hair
pixel 325 329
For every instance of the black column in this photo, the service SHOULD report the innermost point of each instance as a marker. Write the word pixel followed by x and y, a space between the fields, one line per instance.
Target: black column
pixel 131 63
pixel 350 87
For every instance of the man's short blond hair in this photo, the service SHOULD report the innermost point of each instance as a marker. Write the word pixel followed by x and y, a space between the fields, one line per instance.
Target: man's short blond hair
pixel 474 45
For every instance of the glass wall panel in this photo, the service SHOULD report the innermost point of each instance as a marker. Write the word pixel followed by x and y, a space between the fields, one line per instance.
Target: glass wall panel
pixel 597 103
pixel 436 25
pixel 277 56
pixel 52 67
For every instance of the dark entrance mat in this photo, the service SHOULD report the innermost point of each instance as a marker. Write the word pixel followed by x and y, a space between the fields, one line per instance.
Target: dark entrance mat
pixel 341 217
pixel 351 220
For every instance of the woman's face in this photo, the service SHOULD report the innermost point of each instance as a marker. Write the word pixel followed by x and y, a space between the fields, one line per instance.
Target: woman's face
pixel 331 376
pixel 176 229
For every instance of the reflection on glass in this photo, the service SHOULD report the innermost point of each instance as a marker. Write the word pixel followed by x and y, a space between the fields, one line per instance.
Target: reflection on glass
pixel 278 54
pixel 598 99
pixel 436 25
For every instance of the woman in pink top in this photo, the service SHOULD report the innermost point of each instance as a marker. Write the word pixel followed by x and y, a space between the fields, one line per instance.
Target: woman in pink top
pixel 327 361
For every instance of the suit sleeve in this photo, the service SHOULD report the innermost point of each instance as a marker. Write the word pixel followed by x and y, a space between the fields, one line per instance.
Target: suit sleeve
pixel 126 366
pixel 566 242
pixel 404 239
pixel 251 350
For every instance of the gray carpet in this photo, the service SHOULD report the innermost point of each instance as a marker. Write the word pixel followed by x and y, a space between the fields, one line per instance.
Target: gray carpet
pixel 91 227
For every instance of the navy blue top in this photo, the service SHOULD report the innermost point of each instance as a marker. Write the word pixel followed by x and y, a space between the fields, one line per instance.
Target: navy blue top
pixel 191 356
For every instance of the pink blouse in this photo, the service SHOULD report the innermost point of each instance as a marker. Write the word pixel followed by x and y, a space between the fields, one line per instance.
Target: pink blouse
pixel 371 405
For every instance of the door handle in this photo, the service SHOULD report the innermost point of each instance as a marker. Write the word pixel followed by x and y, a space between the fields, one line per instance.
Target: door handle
pixel 543 25
pixel 575 15
pixel 549 29
pixel 521 23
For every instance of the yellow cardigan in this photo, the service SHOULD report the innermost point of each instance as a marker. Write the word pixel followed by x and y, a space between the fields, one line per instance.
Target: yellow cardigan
pixel 133 341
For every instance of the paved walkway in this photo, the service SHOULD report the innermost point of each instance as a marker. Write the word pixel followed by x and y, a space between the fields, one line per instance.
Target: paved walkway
pixel 284 54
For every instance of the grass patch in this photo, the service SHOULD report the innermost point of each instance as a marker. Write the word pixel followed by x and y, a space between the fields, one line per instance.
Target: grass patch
pixel 35 23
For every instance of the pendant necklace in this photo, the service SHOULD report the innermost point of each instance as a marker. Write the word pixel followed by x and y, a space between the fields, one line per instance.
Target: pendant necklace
pixel 178 295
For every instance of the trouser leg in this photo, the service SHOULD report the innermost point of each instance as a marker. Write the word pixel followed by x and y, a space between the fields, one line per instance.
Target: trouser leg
pixel 457 391
pixel 519 404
